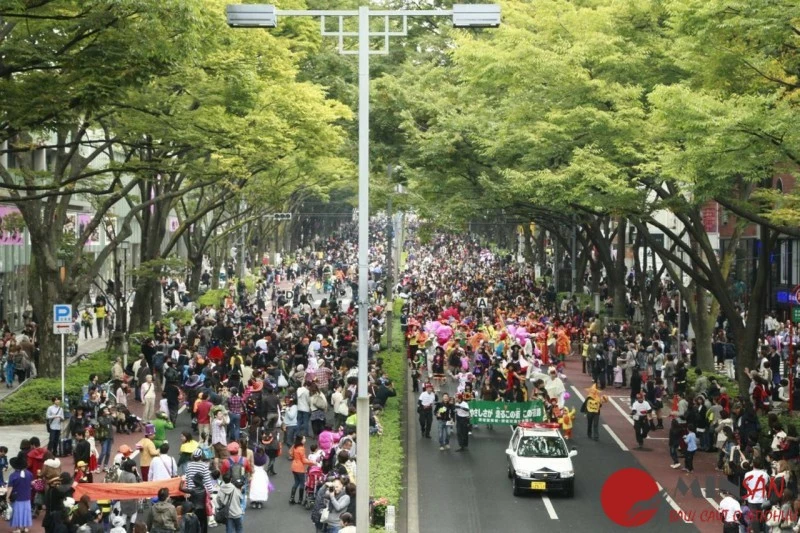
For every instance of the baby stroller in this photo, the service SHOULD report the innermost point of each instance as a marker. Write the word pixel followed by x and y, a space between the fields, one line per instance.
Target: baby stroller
pixel 314 479
pixel 132 422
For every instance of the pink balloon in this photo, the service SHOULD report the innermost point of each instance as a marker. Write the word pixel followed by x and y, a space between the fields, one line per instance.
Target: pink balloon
pixel 433 327
pixel 512 330
pixel 566 396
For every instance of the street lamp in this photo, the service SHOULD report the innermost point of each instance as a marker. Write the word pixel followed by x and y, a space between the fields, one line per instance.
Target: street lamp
pixel 266 16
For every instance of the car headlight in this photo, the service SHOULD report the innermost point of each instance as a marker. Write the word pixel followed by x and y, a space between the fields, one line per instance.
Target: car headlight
pixel 521 473
pixel 567 474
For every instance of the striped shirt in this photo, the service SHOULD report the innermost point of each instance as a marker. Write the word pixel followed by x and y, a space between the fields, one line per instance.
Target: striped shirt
pixel 195 467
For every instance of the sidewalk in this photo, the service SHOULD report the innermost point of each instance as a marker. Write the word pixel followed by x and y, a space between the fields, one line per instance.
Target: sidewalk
pixel 85 346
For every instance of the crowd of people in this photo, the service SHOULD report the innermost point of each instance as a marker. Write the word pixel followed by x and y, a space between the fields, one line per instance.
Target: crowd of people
pixel 269 373
pixel 479 323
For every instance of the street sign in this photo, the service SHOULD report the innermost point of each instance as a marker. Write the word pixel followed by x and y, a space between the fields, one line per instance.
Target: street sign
pixel 289 295
pixel 62 319
pixel 482 304
pixel 281 216
pixel 796 314
pixel 796 294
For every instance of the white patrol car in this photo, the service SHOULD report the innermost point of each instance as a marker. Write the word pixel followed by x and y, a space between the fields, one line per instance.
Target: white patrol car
pixel 539 460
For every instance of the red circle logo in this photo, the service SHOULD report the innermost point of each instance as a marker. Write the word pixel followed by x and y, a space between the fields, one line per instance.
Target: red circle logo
pixel 630 497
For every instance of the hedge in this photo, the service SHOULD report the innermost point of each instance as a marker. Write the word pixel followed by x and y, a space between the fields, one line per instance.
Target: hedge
pixel 213 297
pixel 29 403
pixel 387 458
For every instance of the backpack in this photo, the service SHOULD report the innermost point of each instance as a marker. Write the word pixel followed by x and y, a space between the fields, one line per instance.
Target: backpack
pixel 237 469
pixel 158 361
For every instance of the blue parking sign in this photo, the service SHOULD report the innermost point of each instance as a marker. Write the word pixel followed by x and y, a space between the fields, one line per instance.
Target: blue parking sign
pixel 62 319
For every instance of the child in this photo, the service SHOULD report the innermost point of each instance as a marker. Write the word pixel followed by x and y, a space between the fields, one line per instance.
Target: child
pixel 567 416
pixel 691 446
pixel 617 376
pixel 81 475
pixel 215 475
pixel 93 452
pixel 316 454
pixel 3 464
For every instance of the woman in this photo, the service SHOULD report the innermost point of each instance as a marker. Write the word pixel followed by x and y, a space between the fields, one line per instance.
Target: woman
pixel 188 446
pixel 270 446
pixel 299 465
pixel 290 420
pixel 148 395
pixel 319 405
pixel 19 486
pixel 259 483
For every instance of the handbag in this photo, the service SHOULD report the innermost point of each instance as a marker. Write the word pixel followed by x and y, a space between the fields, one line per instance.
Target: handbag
pixel 323 516
pixel 221 514
pixel 282 383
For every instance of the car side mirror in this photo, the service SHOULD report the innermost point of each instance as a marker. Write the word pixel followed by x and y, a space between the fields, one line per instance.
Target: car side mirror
pixel 509 451
pixel 573 453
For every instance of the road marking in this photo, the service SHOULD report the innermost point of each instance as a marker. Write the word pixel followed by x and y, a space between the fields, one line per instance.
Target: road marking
pixel 622 411
pixel 549 506
pixel 657 438
pixel 673 504
pixel 711 501
pixel 616 439
pixel 577 393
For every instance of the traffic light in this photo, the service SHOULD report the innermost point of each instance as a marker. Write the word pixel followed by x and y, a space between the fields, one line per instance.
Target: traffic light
pixel 281 216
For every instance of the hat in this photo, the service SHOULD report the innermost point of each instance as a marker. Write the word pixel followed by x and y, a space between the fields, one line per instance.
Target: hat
pixel 233 448
pixel 197 454
pixel 17 463
pixel 53 463
pixel 300 368
pixel 79 464
pixel 149 430
pixel 125 450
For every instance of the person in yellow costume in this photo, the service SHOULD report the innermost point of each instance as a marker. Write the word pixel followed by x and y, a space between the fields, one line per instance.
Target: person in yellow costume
pixel 562 344
pixel 566 418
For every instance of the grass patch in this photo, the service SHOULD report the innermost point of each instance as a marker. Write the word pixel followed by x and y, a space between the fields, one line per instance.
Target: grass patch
pixel 29 404
pixel 386 453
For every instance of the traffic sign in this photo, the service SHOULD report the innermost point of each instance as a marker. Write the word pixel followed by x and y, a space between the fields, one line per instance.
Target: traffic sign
pixel 289 295
pixel 482 304
pixel 796 314
pixel 796 294
pixel 281 216
pixel 62 319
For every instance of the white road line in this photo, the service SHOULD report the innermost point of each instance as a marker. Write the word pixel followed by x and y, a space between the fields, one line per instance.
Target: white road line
pixel 412 506
pixel 577 393
pixel 673 504
pixel 711 501
pixel 657 438
pixel 616 439
pixel 549 506
pixel 621 410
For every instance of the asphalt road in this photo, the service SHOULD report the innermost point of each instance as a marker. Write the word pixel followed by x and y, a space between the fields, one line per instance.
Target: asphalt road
pixel 470 492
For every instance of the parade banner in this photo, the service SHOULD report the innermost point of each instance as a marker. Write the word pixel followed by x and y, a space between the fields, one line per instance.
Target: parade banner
pixel 506 412
pixel 127 491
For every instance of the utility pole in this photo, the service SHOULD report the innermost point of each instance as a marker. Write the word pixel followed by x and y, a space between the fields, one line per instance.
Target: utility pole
pixel 574 256
pixel 389 266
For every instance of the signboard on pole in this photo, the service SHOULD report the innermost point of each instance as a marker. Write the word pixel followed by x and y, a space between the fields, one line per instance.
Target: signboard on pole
pixel 482 303
pixel 506 412
pixel 62 319
pixel 796 314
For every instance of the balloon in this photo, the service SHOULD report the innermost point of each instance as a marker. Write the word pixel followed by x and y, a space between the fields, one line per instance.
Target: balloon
pixel 433 327
pixel 444 333
pixel 566 396
pixel 512 330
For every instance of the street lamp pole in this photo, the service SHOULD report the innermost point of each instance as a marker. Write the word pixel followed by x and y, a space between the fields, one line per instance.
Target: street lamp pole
pixel 266 16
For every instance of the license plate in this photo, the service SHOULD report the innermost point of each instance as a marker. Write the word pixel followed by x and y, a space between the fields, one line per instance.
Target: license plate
pixel 538 485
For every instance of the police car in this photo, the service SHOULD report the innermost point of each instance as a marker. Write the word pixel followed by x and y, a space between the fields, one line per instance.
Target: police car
pixel 539 460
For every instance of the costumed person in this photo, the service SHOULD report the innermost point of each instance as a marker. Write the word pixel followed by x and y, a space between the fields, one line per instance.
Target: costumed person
pixel 259 484
pixel 594 402
pixel 555 387
pixel 567 416
pixel 437 367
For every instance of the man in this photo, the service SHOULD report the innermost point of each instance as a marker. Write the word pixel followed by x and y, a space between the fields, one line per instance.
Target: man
pixel 172 395
pixel 147 450
pixel 162 466
pixel 594 402
pixel 230 498
pixel 161 424
pixel 55 414
pixel 270 404
pixel 163 517
pixel 219 436
pixel 303 410
pixel 444 411
pixel 140 370
pixel 384 392
pixel 462 423
pixel 425 410
pixel 238 466
pixel 756 483
pixel 235 410
pixel 640 411
pixel 202 410
pixel 117 373
pixel 730 512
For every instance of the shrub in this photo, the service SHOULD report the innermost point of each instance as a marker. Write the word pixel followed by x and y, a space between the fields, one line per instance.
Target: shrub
pixel 212 297
pixel 30 402
pixel 386 452
pixel 184 315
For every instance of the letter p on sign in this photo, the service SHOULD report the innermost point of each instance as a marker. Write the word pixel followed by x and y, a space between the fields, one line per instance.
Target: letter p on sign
pixel 62 319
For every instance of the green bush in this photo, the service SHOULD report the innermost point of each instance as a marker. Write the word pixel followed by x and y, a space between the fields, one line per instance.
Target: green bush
pixel 184 315
pixel 213 297
pixel 386 454
pixel 29 403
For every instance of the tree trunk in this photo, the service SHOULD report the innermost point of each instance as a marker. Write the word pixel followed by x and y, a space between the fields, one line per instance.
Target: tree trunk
pixel 527 247
pixel 616 277
pixel 140 309
pixel 703 325
pixel 195 274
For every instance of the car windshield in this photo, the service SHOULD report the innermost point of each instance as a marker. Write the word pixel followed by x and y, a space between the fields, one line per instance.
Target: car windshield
pixel 542 446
